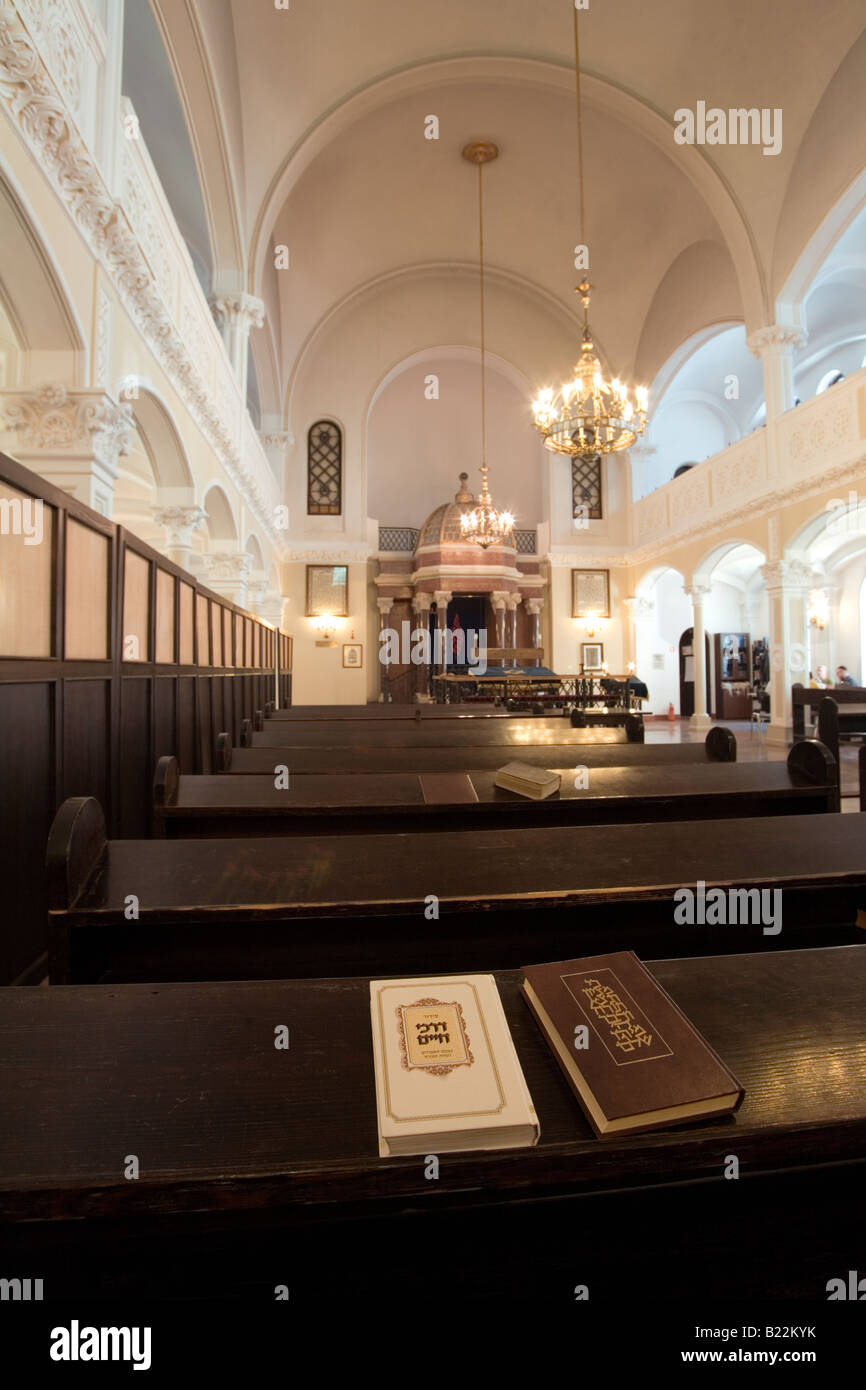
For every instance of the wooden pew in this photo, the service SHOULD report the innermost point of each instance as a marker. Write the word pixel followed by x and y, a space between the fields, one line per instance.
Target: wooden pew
pixel 355 904
pixel 452 733
pixel 852 722
pixel 586 747
pixel 248 1152
pixel 359 803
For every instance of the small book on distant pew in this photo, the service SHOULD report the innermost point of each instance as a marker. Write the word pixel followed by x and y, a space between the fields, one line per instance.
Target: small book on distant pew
pixel 447 1074
pixel 536 782
pixel 633 1059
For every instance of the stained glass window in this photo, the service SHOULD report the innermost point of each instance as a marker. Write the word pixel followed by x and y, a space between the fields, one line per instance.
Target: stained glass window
pixel 586 487
pixel 324 469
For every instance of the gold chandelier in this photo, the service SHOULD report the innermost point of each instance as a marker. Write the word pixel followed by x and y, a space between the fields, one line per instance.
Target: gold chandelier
pixel 589 415
pixel 484 525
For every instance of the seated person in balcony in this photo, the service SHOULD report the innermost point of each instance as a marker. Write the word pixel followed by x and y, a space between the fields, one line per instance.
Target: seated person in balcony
pixel 842 676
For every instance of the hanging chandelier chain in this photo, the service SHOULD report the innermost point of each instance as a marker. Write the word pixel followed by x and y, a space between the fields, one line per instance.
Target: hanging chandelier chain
pixel 579 127
pixel 590 415
pixel 481 287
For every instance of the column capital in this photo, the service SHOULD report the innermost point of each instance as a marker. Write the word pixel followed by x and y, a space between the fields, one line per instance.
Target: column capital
pixel 277 440
pixel 239 309
pixel 789 577
pixel 384 605
pixel 256 590
pixel 534 606
pixel 443 597
pixel 180 523
pixel 499 598
pixel 422 603
pixel 775 338
pixel 54 420
pixel 697 593
pixel 512 601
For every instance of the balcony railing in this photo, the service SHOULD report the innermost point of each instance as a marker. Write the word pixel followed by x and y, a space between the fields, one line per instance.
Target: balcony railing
pixel 53 87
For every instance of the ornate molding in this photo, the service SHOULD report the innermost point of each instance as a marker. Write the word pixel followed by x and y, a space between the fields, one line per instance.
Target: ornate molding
pixel 180 523
pixel 228 564
pixel 243 311
pixel 775 337
pixel 53 420
pixel 38 106
pixel 792 578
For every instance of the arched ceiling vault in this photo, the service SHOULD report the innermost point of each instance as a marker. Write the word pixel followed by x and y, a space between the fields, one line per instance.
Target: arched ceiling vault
pixel 295 111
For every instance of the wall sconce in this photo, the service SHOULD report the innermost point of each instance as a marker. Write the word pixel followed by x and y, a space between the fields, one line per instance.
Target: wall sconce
pixel 819 609
pixel 593 625
pixel 326 625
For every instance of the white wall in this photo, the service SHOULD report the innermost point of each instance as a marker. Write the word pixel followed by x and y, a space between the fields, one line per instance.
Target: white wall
pixel 417 447
pixel 659 638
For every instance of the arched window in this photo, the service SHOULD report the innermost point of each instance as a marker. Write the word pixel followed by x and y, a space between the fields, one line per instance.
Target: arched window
pixel 586 487
pixel 324 469
pixel 683 468
pixel 830 380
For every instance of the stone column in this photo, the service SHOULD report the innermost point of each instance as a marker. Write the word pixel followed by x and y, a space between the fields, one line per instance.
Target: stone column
pixel 512 603
pixel 788 583
pixel 498 599
pixel 697 593
pixel 180 523
pixel 73 439
pixel 533 608
pixel 421 608
pixel 384 606
pixel 443 598
pixel 237 314
pixel 775 346
pixel 830 635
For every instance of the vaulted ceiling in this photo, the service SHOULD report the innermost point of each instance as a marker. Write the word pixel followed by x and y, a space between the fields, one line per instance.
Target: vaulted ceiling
pixel 308 125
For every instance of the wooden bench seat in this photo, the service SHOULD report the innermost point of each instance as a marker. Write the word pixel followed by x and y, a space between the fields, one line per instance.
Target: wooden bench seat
pixel 260 1166
pixel 367 904
pixel 590 748
pixel 323 803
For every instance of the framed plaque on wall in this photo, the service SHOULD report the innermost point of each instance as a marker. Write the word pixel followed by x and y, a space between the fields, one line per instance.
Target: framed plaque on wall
pixel 327 591
pixel 591 656
pixel 590 593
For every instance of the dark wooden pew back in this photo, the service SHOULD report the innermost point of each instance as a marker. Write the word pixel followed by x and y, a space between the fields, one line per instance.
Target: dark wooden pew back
pixel 408 904
pixel 610 750
pixel 359 803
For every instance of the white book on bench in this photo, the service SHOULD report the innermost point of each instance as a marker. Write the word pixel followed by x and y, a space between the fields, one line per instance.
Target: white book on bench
pixel 447 1074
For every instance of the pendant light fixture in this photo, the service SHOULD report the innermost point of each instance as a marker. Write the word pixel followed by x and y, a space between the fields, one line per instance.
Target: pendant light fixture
pixel 484 525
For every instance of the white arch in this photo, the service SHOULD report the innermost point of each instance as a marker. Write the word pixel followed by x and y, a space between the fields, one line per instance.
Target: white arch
pixel 614 101
pixel 668 372
pixel 37 300
pixel 705 568
pixel 493 276
pixel 807 268
pixel 221 524
pixel 158 433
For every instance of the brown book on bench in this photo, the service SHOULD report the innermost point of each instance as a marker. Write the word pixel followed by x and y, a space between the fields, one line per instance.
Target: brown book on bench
pixel 633 1059
pixel 446 788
